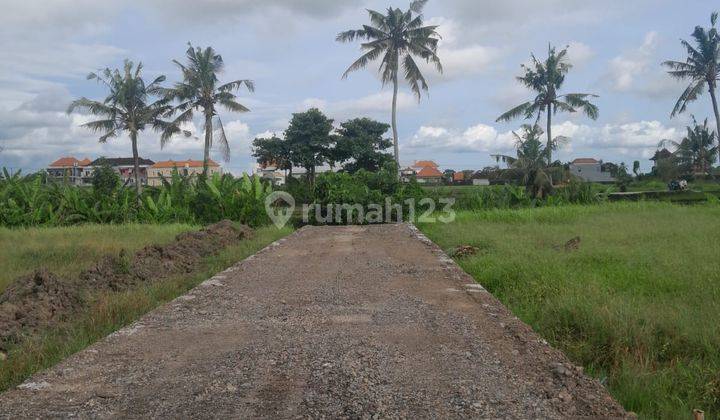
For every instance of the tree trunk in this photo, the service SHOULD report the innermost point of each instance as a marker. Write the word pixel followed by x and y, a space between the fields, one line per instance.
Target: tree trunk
pixel 711 87
pixel 208 142
pixel 394 123
pixel 136 165
pixel 549 136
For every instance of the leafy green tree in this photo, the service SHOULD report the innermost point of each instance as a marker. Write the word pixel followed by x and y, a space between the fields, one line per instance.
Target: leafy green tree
pixel 309 139
pixel 636 167
pixel 360 141
pixel 530 160
pixel 272 151
pixel 127 107
pixel 701 67
pixel 104 179
pixel 200 90
pixel 395 38
pixel 697 150
pixel 546 79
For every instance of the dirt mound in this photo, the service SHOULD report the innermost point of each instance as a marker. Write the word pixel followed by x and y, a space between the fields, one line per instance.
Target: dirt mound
pixel 34 301
pixel 42 299
pixel 154 263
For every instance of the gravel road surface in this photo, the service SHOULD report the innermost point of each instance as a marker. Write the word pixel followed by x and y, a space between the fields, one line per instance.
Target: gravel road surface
pixel 331 322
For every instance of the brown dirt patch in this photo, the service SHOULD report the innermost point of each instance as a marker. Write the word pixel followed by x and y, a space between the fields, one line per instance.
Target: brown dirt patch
pixel 42 299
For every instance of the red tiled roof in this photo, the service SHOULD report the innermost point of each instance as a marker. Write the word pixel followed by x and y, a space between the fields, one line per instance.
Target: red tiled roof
pixel 585 160
pixel 183 163
pixel 425 164
pixel 70 161
pixel 429 172
pixel 458 176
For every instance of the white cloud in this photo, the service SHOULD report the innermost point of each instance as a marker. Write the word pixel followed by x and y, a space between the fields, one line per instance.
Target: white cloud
pixel 458 59
pixel 638 71
pixel 632 140
pixel 376 105
pixel 478 138
pixel 579 54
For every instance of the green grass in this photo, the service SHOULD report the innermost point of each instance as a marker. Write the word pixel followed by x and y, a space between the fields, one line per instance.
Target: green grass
pixel 112 310
pixel 68 250
pixel 638 304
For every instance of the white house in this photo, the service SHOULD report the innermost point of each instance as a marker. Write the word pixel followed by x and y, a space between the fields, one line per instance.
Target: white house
pixel 590 170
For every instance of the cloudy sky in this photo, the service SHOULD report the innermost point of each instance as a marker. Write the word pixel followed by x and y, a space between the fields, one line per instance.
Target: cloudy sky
pixel 287 47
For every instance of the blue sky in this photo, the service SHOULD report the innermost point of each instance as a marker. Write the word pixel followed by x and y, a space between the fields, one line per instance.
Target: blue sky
pixel 287 47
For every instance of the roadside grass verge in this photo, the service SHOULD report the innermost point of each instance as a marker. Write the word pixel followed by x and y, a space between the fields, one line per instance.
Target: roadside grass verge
pixel 638 304
pixel 66 251
pixel 111 311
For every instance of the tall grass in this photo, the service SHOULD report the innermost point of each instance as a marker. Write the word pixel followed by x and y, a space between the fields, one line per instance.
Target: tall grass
pixel 638 304
pixel 111 311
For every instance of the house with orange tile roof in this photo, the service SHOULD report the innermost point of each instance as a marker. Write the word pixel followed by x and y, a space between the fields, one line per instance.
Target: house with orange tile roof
pixel 70 170
pixel 429 175
pixel 164 169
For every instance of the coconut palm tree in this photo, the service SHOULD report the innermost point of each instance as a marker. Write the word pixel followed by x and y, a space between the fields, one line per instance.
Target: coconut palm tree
pixel 396 37
pixel 530 159
pixel 127 107
pixel 701 67
pixel 201 91
pixel 546 78
pixel 696 152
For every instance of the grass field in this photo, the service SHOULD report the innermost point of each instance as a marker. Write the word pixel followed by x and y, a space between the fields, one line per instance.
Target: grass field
pixel 109 311
pixel 638 304
pixel 68 250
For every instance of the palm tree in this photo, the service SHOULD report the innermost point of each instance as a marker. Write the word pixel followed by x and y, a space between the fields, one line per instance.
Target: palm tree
pixel 530 159
pixel 127 107
pixel 200 90
pixel 546 79
pixel 397 36
pixel 696 152
pixel 701 67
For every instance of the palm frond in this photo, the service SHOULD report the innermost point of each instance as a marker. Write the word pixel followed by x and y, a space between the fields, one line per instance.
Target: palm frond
pixel 515 112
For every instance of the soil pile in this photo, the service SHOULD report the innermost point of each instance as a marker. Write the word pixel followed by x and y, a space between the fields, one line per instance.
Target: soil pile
pixel 41 299
pixel 33 301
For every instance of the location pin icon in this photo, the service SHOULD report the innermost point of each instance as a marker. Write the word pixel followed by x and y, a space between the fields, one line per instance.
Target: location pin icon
pixel 280 206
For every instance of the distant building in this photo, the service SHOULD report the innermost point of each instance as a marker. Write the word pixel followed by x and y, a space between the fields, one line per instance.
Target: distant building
pixel 661 155
pixel 420 164
pixel 70 170
pixel 407 174
pixel 164 169
pixel 270 172
pixel 429 175
pixel 590 170
pixel 458 177
pixel 125 167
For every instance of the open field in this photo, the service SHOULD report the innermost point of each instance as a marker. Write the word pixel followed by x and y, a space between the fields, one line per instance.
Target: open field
pixel 68 250
pixel 638 303
pixel 108 311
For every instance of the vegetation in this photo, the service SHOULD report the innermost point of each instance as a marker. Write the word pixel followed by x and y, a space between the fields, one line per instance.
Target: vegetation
pixel 696 152
pixel 701 67
pixel 29 201
pixel 311 141
pixel 128 107
pixel 199 90
pixel 546 79
pixel 530 160
pixel 112 310
pixel 308 137
pixel 397 36
pixel 640 315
